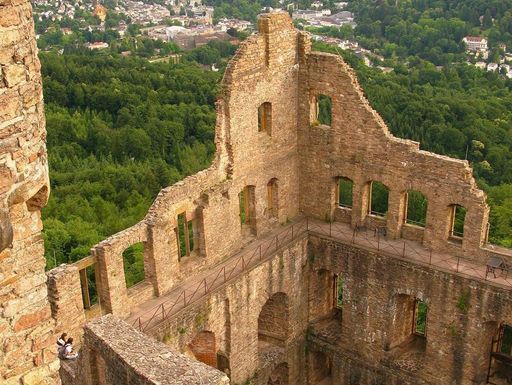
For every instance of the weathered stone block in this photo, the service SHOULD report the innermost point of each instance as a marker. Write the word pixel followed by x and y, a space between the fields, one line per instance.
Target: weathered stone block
pixel 9 17
pixel 14 74
pixel 28 321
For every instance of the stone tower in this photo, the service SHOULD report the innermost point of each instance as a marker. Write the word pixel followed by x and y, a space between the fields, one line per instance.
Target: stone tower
pixel 27 353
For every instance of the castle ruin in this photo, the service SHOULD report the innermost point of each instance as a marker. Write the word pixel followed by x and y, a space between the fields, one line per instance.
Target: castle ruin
pixel 270 267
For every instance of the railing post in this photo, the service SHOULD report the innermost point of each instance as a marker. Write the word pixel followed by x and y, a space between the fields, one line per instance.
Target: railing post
pixel 292 231
pixel 330 228
pixel 458 261
pixel 307 223
pixel 224 268
pixel 163 312
pixel 205 287
pixel 243 263
pixel 403 251
pixel 260 250
pixel 184 299
pixel 430 259
pixel 378 242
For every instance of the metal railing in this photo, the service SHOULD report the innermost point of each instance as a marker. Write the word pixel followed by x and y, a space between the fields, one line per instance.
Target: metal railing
pixel 410 250
pixel 247 260
pixel 360 236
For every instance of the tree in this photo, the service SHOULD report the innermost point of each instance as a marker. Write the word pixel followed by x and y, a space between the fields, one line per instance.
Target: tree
pixel 487 19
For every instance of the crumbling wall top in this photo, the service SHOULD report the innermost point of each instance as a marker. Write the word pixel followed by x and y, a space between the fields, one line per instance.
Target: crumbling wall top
pixel 149 361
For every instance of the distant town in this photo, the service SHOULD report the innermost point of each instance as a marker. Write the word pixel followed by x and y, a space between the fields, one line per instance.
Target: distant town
pixel 192 24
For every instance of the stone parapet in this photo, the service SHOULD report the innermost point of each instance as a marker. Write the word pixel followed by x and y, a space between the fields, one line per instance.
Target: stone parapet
pixel 65 296
pixel 114 352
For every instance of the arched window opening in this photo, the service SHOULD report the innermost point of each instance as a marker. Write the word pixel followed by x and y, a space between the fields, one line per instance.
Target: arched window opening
pixel 320 368
pixel 133 264
pixel 416 208
pixel 379 196
pixel 457 218
pixel 247 207
pixel 345 188
pixel 273 321
pixel 265 118
pixel 273 198
pixel 322 110
pixel 204 349
pixel 186 234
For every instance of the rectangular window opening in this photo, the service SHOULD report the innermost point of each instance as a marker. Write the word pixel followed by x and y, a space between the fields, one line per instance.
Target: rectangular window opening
pixel 322 110
pixel 242 199
pixel 93 288
pixel 272 198
pixel 506 340
pixel 338 286
pixel 416 209
pixel 458 216
pixel 420 318
pixel 265 118
pixel 185 235
pixel 379 196
pixel 345 187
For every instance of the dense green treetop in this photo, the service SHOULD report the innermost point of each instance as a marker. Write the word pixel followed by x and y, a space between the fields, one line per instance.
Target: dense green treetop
pixel 119 130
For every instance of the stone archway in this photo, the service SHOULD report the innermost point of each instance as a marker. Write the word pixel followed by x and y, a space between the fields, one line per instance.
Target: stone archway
pixel 320 368
pixel 203 348
pixel 279 375
pixel 273 321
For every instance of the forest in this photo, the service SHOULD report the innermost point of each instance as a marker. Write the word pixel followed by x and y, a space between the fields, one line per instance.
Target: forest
pixel 431 29
pixel 119 130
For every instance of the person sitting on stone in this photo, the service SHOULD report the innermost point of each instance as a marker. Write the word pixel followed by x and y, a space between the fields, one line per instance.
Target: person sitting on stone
pixel 62 340
pixel 67 350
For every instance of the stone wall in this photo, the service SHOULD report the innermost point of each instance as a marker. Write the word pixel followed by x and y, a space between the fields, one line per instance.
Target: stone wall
pixel 232 313
pixel 372 342
pixel 27 352
pixel 115 353
pixel 267 65
pixel 358 145
pixel 65 296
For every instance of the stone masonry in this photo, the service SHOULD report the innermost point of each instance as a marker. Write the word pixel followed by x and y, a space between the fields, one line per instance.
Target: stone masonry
pixel 277 322
pixel 27 351
pixel 116 354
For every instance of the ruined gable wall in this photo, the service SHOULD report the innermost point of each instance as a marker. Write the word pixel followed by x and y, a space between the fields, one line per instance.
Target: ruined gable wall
pixel 27 351
pixel 359 146
pixel 463 316
pixel 264 70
